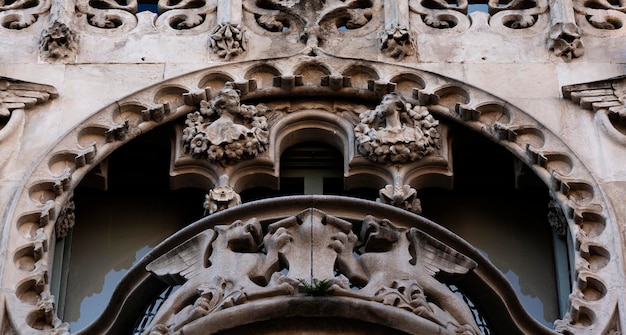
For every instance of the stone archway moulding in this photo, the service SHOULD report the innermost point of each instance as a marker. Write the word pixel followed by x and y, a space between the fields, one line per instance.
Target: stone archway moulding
pixel 35 209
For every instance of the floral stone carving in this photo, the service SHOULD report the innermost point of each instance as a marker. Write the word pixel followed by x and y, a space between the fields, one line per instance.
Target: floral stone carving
pixel 396 132
pixel 225 131
pixel 238 263
pixel 58 41
pixel 227 40
pixel 396 42
pixel 565 41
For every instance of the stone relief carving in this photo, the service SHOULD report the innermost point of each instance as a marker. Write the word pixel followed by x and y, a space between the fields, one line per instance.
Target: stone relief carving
pixel 20 95
pixel 396 42
pixel 313 20
pixel 238 263
pixel 396 132
pixel 58 41
pixel 564 41
pixel 225 131
pixel 22 14
pixel 228 40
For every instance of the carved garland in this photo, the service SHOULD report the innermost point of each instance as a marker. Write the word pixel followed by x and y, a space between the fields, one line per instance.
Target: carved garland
pixel 36 208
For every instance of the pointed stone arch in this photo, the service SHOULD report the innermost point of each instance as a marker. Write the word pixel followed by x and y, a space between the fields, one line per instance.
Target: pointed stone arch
pixel 46 190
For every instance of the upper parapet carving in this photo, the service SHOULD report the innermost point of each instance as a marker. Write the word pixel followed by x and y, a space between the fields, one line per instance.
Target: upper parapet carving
pixel 225 131
pixel 312 252
pixel 396 132
pixel 312 20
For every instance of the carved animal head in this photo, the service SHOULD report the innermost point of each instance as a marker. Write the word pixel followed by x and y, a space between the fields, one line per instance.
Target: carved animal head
pixel 379 235
pixel 242 236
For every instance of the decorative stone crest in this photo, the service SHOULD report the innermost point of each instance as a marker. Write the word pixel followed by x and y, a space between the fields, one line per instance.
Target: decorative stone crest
pixel 58 41
pixel 227 40
pixel 396 132
pixel 237 264
pixel 224 131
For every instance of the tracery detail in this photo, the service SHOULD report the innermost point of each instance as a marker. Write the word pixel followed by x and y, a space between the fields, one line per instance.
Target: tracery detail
pixel 22 14
pixel 396 132
pixel 237 263
pixel 601 14
pixel 224 131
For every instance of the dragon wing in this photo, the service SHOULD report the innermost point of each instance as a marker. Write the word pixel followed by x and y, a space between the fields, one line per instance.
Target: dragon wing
pixel 439 260
pixel 184 261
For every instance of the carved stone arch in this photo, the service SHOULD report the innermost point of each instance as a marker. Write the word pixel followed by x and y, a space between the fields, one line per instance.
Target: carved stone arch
pixel 45 191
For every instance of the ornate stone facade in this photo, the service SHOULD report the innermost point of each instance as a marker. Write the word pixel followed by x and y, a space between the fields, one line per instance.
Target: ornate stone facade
pixel 229 86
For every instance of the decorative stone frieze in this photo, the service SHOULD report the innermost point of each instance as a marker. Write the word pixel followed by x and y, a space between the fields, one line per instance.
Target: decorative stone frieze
pixel 225 131
pixel 239 263
pixel 58 41
pixel 396 132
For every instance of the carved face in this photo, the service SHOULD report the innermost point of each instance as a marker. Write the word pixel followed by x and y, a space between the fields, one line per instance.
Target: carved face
pixel 244 236
pixel 227 101
pixel 391 104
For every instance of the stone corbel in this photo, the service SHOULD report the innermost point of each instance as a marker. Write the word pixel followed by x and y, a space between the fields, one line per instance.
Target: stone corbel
pixel 227 39
pixel 395 40
pixel 565 35
pixel 401 196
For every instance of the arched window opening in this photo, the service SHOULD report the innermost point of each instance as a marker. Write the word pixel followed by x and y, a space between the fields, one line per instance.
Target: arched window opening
pixel 501 207
pixel 118 223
